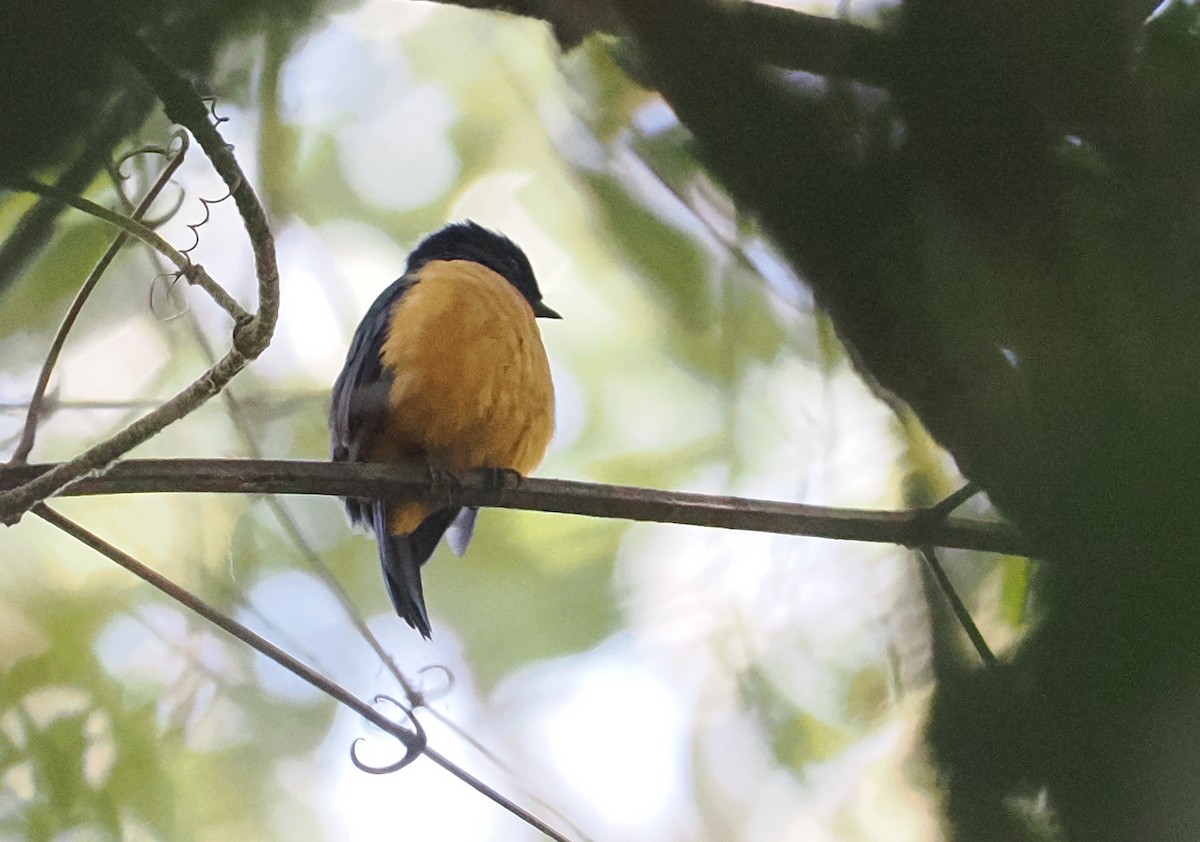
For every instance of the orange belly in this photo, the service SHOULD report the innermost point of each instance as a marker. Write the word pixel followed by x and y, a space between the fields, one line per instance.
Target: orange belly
pixel 471 386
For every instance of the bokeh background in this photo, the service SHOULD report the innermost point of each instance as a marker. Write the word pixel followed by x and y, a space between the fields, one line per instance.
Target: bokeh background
pixel 629 682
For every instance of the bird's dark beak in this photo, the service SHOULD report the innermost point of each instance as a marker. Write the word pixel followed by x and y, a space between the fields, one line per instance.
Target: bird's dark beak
pixel 541 311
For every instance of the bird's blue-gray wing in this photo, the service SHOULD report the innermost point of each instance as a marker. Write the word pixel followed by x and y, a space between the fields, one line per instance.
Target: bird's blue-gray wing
pixel 361 391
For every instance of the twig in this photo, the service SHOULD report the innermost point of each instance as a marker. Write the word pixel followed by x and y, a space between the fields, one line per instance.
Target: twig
pixel 414 742
pixel 16 501
pixel 251 334
pixel 185 107
pixel 270 476
pixel 129 226
pixel 194 272
pixel 53 404
pixel 930 516
pixel 956 605
pixel 29 432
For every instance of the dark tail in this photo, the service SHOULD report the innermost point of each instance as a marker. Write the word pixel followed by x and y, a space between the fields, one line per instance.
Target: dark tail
pixel 402 557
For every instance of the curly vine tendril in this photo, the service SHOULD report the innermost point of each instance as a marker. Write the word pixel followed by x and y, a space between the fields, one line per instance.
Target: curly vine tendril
pixel 412 751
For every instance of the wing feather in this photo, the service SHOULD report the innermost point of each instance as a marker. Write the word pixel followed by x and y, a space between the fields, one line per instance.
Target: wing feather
pixel 362 389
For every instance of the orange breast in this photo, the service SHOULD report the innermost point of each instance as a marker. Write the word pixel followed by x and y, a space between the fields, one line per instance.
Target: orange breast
pixel 472 385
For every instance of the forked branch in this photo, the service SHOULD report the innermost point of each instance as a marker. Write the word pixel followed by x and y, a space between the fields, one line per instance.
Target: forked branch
pixel 251 332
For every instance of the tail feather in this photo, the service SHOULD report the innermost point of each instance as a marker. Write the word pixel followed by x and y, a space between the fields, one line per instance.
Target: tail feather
pixel 402 556
pixel 402 574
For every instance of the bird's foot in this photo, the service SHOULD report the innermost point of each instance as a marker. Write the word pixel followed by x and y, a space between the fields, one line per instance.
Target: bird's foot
pixel 497 479
pixel 443 485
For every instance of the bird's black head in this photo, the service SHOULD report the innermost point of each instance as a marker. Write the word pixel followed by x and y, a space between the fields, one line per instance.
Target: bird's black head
pixel 470 241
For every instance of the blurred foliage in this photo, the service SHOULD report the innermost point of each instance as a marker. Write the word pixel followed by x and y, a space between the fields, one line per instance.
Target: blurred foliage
pixel 527 601
pixel 660 252
pixel 797 737
pixel 112 747
pixel 53 278
pixel 61 62
pixel 1014 598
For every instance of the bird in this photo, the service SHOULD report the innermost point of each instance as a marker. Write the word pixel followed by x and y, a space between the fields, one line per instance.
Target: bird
pixel 447 370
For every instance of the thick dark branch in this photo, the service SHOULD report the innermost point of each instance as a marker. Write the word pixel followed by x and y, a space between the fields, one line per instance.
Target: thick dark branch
pixel 825 46
pixel 779 37
pixel 571 20
pixel 268 476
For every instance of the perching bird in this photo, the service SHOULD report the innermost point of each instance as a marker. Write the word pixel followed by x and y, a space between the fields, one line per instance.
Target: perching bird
pixel 447 371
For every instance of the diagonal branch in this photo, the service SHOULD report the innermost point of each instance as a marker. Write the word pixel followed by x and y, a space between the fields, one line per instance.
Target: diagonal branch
pixel 29 432
pixel 911 528
pixel 414 741
pixel 130 226
pixel 184 106
pixel 251 334
pixel 780 37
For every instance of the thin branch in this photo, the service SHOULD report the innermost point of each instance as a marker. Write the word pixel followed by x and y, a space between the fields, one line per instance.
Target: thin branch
pixel 278 408
pixel 14 502
pixel 942 508
pixel 185 107
pixel 194 272
pixel 956 605
pixel 29 432
pixel 930 516
pixel 251 334
pixel 53 404
pixel 414 742
pixel 129 226
pixel 269 476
